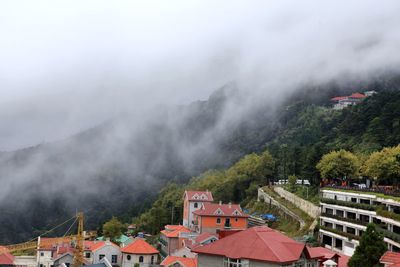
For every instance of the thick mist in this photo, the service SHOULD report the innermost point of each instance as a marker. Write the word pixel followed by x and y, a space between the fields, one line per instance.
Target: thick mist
pixel 101 98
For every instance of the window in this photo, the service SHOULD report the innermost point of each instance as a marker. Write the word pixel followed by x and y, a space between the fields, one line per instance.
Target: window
pixel 67 264
pixel 114 258
pixel 128 257
pixel 228 262
pixel 329 211
pixel 152 259
pixel 87 255
pixel 338 243
pixel 196 205
pixel 141 259
pixel 218 220
pixel 351 230
pixel 328 224
pixel 101 256
pixel 339 227
pixel 41 254
pixel 351 215
pixel 327 240
pixel 236 219
pixel 340 213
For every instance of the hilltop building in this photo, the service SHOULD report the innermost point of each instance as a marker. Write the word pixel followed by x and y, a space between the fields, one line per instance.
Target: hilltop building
pixel 341 102
pixel 192 201
pixel 345 214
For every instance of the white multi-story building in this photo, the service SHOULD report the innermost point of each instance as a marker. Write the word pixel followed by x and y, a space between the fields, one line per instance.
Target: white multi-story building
pixel 346 213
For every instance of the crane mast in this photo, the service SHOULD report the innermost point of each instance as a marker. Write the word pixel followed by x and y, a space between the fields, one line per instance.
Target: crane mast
pixel 78 253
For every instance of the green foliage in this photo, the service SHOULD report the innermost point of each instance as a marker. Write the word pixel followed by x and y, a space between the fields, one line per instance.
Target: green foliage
pixel 370 249
pixel 238 184
pixel 388 214
pixel 292 179
pixel 113 229
pixel 339 164
pixel 384 165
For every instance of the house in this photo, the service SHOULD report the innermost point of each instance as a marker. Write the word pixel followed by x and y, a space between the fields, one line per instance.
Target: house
pixel 212 217
pixel 341 102
pixel 65 259
pixel 258 246
pixel 323 255
pixel 192 201
pixel 139 252
pixel 171 238
pixel 6 259
pixel 390 259
pixel 173 261
pixel 194 241
pixel 49 249
pixel 95 251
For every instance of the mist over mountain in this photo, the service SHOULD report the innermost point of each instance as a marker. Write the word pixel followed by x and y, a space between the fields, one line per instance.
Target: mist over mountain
pixel 102 104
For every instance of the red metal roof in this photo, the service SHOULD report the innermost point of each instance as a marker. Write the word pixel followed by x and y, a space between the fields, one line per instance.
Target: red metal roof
pixel 185 262
pixel 326 254
pixel 139 246
pixel 220 210
pixel 174 230
pixel 6 259
pixel 390 257
pixel 337 98
pixel 199 196
pixel 258 243
pixel 357 95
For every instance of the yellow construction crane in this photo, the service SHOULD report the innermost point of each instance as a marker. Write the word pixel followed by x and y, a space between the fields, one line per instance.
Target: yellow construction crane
pixel 78 253
pixel 39 242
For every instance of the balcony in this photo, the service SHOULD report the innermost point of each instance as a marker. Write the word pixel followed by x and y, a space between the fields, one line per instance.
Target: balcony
pixel 227 226
pixel 162 242
pixel 335 231
pixel 380 191
pixel 344 219
pixel 348 204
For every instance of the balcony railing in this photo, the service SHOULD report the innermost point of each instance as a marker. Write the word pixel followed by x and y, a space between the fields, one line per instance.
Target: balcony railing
pixel 163 242
pixel 344 219
pixel 348 204
pixel 227 225
pixel 389 191
pixel 335 231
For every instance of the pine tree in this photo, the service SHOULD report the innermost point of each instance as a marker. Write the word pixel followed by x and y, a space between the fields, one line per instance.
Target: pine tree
pixel 370 249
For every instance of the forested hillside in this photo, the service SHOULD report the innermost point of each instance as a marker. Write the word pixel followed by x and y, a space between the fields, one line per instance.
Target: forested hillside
pixel 114 169
pixel 304 133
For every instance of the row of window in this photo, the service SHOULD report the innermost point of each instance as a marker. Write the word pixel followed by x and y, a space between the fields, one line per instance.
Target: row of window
pixel 141 259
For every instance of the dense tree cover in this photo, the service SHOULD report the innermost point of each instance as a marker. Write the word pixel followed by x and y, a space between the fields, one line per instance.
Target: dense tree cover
pixel 339 164
pixel 237 184
pixel 384 165
pixel 370 249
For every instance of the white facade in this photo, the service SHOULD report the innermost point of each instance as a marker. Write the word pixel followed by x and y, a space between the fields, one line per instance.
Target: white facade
pixel 129 260
pixel 25 261
pixel 344 220
pixel 44 258
pixel 110 251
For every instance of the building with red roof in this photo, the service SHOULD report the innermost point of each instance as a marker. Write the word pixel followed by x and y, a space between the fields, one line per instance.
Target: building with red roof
pixel 173 261
pixel 171 238
pixel 6 259
pixel 212 217
pixel 192 201
pixel 258 246
pixel 139 252
pixel 323 254
pixel 391 259
pixel 342 102
pixel 95 251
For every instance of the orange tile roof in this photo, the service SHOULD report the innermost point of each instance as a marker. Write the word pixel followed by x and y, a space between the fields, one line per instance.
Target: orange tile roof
pixel 185 262
pixel 172 231
pixel 139 246
pixel 95 245
pixel 390 257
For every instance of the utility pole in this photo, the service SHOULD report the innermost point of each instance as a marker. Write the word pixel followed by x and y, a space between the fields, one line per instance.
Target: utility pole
pixel 172 214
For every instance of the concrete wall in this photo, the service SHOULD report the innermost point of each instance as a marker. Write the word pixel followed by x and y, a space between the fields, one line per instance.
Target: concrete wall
pixel 306 206
pixel 262 196
pixel 25 261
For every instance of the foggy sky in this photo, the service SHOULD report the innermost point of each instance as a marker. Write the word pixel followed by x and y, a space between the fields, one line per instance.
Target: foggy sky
pixel 67 66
